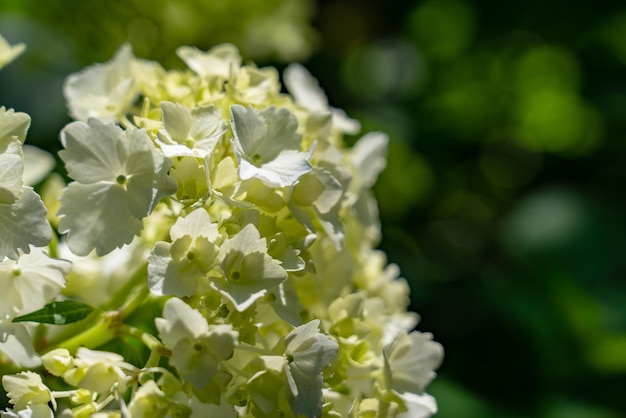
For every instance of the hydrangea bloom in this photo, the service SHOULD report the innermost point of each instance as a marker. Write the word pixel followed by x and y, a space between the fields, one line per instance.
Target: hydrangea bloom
pixel 234 235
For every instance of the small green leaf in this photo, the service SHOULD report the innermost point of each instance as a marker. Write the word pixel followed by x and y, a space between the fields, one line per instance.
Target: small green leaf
pixel 58 313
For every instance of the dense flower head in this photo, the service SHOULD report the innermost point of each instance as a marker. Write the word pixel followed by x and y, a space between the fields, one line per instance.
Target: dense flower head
pixel 236 216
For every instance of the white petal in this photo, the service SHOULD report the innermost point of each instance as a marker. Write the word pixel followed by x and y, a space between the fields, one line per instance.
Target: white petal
pixel 13 129
pixel 97 216
pixel 23 223
pixel 180 321
pixel 91 151
pixel 31 282
pixel 18 345
pixel 419 406
pixel 104 90
pixel 37 164
pixel 11 169
pixel 245 241
pixel 158 261
pixel 304 88
pixel 369 157
pixel 197 224
pixel 411 360
pixel 176 121
pixel 215 62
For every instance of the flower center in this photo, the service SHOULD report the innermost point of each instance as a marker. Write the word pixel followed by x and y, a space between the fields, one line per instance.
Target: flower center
pixel 257 159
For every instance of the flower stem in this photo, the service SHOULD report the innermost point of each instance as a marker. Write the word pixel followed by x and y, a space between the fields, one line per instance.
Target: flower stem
pixel 101 327
pixel 103 331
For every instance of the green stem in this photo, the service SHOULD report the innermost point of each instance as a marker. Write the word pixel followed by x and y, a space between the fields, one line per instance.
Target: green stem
pixel 97 328
pixel 156 348
pixel 153 360
pixel 69 331
pixel 148 339
pixel 53 247
pixel 137 297
pixel 103 331
pixel 121 296
pixel 62 393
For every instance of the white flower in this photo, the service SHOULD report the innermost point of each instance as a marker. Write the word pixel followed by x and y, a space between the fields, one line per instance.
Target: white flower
pixel 22 213
pixel 11 170
pixel 308 353
pixel 418 406
pixel 9 52
pixel 215 62
pixel 16 341
pixel 23 223
pixel 197 349
pixel 267 146
pixel 308 94
pixel 248 271
pixel 119 176
pixel 187 132
pixel 99 371
pixel 30 282
pixel 176 268
pixel 26 388
pixel 410 361
pixel 316 202
pixel 249 84
pixel 368 159
pixel 31 411
pixel 13 129
pixel 149 401
pixel 57 361
pixel 104 90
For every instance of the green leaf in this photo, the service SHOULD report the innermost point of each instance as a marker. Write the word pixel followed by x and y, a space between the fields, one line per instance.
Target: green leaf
pixel 58 313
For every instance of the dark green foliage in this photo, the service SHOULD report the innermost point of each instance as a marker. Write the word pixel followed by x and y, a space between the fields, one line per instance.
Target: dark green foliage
pixel 58 313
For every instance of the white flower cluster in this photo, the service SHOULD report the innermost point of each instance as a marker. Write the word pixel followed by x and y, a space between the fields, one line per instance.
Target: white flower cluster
pixel 29 278
pixel 240 211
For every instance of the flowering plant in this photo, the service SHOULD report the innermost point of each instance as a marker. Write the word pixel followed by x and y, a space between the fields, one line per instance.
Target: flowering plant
pixel 216 253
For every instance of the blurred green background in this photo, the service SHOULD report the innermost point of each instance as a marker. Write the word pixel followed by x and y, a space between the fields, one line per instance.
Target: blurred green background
pixel 501 201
